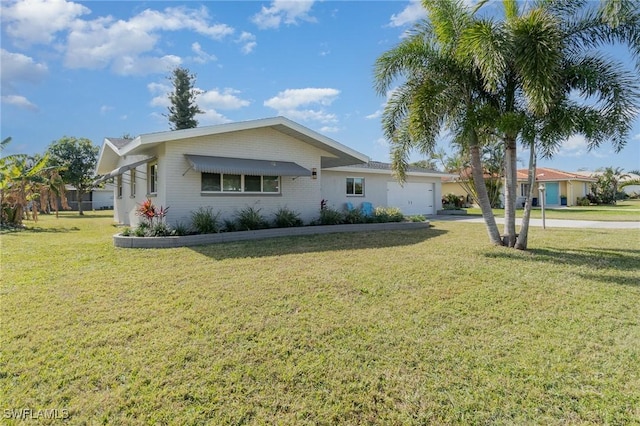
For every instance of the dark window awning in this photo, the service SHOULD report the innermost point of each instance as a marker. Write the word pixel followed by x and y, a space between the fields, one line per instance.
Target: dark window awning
pixel 120 170
pixel 244 166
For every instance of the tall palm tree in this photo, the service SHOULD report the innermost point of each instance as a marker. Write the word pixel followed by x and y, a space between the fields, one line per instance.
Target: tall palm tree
pixel 439 90
pixel 536 58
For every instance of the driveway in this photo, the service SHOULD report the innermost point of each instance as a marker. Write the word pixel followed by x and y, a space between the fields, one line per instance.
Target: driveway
pixel 550 223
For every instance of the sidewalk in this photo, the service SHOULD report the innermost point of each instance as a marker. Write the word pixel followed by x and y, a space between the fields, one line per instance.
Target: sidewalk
pixel 550 223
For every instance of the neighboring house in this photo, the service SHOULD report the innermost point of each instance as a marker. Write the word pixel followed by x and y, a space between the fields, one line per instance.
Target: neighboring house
pixel 266 164
pixel 97 199
pixel 561 188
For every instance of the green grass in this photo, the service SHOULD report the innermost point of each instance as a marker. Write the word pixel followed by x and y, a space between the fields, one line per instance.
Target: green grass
pixel 421 327
pixel 624 211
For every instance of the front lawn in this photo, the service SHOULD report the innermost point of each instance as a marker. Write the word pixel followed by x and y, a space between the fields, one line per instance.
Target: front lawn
pixel 418 327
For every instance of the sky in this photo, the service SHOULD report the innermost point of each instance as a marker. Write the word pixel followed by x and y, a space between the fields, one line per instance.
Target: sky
pixel 97 69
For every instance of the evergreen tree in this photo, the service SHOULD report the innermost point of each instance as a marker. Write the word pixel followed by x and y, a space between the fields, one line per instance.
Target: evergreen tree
pixel 183 108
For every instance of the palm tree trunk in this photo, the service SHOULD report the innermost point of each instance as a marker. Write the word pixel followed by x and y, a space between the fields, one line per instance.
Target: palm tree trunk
pixel 510 194
pixel 521 242
pixel 481 191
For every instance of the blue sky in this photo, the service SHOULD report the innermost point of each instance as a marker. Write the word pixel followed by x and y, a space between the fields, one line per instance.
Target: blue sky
pixel 99 68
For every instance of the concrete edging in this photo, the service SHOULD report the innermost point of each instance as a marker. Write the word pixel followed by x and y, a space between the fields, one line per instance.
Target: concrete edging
pixel 201 239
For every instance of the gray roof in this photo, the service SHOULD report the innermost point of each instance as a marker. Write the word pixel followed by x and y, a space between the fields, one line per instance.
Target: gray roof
pixel 208 164
pixel 378 165
pixel 119 142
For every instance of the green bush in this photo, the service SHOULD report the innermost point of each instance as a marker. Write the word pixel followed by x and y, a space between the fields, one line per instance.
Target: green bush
pixel 180 229
pixel 159 229
pixel 417 218
pixel 285 218
pixel 250 218
pixel 329 216
pixel 583 201
pixel 354 216
pixel 126 231
pixel 205 221
pixel 230 225
pixel 388 214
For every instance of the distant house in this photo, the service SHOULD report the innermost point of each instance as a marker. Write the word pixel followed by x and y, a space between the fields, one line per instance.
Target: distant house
pixel 267 164
pixel 631 190
pixel 561 188
pixel 97 199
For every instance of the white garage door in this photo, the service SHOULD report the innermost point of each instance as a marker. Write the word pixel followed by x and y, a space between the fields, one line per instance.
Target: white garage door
pixel 411 198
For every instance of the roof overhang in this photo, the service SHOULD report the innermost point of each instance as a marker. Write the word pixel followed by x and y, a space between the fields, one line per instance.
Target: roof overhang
pixel 365 170
pixel 245 166
pixel 120 170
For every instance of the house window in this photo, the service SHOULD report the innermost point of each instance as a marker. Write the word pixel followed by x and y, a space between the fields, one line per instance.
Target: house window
pixel 119 185
pixel 219 182
pixel 524 189
pixel 153 178
pixel 132 183
pixel 355 186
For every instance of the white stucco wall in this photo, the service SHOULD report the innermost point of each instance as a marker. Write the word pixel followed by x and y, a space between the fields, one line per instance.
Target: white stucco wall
pixel 375 191
pixel 183 195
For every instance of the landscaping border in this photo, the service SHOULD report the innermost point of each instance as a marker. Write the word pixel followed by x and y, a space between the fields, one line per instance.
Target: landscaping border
pixel 202 239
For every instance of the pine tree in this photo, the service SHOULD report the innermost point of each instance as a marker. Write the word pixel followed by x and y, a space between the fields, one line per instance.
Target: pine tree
pixel 183 108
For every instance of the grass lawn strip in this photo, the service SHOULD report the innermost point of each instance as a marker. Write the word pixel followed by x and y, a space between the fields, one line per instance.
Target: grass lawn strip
pixel 429 326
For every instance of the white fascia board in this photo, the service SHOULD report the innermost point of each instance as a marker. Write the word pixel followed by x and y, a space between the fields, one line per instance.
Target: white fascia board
pixel 363 170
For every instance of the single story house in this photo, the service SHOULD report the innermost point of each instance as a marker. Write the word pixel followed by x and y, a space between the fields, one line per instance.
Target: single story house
pixel 99 198
pixel 632 190
pixel 266 163
pixel 561 188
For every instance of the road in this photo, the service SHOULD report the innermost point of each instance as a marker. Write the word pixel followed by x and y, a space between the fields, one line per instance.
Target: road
pixel 550 223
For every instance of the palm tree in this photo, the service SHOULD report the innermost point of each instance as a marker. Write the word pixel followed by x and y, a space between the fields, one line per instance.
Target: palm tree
pixel 440 90
pixel 535 59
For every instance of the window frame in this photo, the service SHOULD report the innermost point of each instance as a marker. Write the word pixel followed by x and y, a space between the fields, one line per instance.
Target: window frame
pixel 242 187
pixel 132 183
pixel 354 179
pixel 152 181
pixel 119 188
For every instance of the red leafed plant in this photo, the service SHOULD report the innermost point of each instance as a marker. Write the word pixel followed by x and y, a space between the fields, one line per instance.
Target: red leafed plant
pixel 148 211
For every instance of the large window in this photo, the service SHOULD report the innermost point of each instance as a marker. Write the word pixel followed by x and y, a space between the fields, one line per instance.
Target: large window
pixel 355 186
pixel 219 182
pixel 153 178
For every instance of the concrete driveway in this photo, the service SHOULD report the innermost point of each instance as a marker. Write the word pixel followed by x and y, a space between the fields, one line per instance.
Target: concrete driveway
pixel 550 223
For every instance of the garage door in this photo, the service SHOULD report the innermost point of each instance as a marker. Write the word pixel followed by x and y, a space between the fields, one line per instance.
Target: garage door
pixel 411 198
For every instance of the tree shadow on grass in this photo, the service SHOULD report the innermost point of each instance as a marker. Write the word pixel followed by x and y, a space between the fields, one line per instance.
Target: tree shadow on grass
pixel 280 246
pixel 37 229
pixel 599 260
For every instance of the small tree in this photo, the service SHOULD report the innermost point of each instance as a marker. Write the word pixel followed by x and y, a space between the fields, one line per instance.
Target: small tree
pixel 77 159
pixel 183 108
pixel 605 189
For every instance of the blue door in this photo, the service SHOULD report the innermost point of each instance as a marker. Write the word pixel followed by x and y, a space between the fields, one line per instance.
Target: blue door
pixel 552 196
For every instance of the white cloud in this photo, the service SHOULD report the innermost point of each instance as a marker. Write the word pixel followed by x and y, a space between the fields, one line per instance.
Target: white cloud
pixel 211 116
pixel 296 104
pixel 19 101
pixel 125 45
pixel 225 99
pixel 577 146
pixel 248 42
pixel 636 137
pixel 283 11
pixel 161 91
pixel 105 109
pixel 38 21
pixel 202 57
pixel 18 67
pixel 413 12
pixel 329 129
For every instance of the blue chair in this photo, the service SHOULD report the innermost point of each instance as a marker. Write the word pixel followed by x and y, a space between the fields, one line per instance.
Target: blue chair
pixel 349 206
pixel 367 209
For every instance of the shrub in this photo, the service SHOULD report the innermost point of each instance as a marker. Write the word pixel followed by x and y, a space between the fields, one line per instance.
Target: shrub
pixel 285 218
pixel 126 231
pixel 354 216
pixel 329 216
pixel 583 201
pixel 159 229
pixel 142 229
pixel 452 201
pixel 388 214
pixel 180 229
pixel 204 221
pixel 230 225
pixel 417 218
pixel 250 218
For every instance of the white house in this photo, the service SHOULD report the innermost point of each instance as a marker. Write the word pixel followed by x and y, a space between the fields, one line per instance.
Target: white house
pixel 266 164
